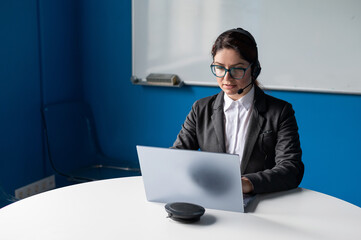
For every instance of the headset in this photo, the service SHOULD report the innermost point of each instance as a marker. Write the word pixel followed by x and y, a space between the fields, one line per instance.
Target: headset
pixel 256 68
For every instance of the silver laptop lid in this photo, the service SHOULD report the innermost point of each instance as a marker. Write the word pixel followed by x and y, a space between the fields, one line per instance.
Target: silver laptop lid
pixel 212 180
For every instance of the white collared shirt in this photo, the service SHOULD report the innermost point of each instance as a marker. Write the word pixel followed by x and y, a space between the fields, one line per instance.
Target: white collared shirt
pixel 237 116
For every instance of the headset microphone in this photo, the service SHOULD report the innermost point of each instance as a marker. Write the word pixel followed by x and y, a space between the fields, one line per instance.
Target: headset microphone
pixel 240 91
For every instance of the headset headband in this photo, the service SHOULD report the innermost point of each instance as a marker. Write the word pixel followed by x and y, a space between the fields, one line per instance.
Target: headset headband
pixel 256 69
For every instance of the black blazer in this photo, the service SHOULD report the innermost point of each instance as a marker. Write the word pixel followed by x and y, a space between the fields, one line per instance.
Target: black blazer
pixel 272 153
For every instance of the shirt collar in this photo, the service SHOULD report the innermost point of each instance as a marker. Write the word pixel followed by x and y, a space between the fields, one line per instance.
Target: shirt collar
pixel 245 101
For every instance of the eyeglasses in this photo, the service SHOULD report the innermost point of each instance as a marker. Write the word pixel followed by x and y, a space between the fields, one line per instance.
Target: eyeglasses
pixel 236 73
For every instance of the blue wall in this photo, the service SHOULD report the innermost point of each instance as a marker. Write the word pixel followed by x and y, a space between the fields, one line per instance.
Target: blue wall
pixel 59 25
pixel 21 159
pixel 86 53
pixel 39 64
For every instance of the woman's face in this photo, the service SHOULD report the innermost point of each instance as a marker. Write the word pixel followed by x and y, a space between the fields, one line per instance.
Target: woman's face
pixel 229 58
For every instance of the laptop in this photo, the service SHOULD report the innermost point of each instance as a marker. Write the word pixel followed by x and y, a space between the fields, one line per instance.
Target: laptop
pixel 212 180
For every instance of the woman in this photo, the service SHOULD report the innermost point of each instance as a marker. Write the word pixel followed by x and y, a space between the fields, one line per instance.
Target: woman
pixel 243 120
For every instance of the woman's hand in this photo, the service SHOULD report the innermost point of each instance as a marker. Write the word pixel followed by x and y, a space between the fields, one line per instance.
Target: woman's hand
pixel 247 186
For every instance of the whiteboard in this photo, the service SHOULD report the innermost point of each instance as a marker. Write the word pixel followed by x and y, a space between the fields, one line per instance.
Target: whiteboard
pixel 305 45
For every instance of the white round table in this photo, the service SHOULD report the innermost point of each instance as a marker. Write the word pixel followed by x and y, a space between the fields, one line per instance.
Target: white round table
pixel 118 209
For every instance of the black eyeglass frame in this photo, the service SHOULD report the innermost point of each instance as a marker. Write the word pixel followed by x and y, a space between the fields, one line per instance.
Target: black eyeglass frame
pixel 229 70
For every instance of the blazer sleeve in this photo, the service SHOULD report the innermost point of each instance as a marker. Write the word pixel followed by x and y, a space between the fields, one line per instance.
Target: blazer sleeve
pixel 288 168
pixel 187 137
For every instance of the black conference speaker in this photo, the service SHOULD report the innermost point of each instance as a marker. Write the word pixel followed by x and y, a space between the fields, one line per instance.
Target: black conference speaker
pixel 184 212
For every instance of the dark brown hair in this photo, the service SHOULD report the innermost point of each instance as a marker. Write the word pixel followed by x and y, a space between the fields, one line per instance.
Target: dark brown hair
pixel 242 42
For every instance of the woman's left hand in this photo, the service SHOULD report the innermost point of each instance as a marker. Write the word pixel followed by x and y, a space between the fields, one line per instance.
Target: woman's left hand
pixel 247 185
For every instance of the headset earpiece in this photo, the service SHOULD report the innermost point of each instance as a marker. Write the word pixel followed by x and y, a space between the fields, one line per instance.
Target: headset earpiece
pixel 256 70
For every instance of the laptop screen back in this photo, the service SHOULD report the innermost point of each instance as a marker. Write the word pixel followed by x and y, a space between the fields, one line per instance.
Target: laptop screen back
pixel 212 180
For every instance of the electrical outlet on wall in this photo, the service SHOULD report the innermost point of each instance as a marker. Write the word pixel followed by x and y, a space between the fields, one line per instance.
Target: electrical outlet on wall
pixel 42 185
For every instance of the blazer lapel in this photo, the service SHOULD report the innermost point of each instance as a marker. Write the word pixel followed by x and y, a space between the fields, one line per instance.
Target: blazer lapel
pixel 217 120
pixel 254 128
